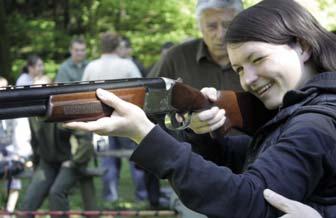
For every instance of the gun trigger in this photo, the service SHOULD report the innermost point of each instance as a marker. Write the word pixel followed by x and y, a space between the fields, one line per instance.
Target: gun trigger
pixel 173 124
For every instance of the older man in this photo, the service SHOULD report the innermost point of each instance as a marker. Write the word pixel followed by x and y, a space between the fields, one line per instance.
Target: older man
pixel 203 62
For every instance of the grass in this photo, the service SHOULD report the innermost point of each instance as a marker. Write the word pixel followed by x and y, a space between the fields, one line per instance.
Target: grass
pixel 126 195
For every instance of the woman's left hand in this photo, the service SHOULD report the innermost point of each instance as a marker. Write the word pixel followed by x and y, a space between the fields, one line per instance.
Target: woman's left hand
pixel 208 120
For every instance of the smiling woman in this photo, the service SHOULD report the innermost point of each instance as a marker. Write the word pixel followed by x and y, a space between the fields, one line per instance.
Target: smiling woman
pixel 286 59
pixel 268 71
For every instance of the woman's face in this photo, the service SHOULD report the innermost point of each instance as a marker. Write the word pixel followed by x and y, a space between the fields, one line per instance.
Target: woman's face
pixel 267 70
pixel 37 69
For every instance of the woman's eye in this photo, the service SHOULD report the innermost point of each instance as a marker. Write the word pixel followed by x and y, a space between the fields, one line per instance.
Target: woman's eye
pixel 257 60
pixel 239 70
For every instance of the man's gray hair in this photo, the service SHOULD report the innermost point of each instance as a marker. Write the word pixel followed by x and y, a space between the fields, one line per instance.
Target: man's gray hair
pixel 207 4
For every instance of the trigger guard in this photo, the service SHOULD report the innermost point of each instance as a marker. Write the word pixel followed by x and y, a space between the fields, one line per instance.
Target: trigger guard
pixel 172 124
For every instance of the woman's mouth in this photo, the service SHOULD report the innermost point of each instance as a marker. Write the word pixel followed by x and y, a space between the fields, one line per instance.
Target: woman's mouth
pixel 262 90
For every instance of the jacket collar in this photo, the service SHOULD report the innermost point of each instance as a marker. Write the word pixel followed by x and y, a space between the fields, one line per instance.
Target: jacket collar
pixel 296 99
pixel 325 82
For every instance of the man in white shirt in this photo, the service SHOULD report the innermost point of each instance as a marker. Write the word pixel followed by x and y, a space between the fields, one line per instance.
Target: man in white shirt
pixel 111 66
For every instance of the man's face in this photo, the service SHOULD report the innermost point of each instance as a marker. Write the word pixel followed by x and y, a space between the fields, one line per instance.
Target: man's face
pixel 213 25
pixel 124 50
pixel 78 52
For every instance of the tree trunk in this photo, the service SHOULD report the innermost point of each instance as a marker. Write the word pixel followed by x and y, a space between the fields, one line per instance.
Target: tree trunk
pixel 5 59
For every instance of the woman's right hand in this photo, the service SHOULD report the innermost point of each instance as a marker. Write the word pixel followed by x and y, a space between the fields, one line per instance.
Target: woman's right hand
pixel 208 120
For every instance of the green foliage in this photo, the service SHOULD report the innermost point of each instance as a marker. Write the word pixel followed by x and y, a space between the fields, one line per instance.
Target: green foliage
pixel 148 24
pixel 323 10
pixel 248 3
pixel 46 27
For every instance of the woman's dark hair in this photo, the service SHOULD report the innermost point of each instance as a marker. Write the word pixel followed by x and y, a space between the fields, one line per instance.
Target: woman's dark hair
pixel 31 61
pixel 285 22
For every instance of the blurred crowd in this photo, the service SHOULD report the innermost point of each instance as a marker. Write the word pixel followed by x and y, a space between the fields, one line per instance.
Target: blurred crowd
pixel 61 158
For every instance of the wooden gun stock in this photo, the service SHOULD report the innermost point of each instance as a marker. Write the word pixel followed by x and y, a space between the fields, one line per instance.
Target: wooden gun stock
pixel 243 111
pixel 85 106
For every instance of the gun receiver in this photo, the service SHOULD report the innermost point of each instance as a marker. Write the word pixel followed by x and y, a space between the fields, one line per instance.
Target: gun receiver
pixel 62 102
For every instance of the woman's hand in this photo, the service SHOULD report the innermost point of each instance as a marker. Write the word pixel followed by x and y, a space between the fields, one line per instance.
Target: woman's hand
pixel 127 119
pixel 208 120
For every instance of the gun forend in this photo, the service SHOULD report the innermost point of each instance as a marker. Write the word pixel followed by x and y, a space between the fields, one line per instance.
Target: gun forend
pixel 46 100
pixel 86 106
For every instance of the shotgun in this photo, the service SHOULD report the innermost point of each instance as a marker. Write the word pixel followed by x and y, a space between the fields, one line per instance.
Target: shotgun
pixel 63 102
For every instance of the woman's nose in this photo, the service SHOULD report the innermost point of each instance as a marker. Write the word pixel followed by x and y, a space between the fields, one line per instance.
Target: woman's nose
pixel 250 76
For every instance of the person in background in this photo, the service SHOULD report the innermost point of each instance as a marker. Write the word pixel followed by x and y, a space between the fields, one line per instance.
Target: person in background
pixel 163 51
pixel 72 69
pixel 3 82
pixel 57 170
pixel 77 168
pixel 34 67
pixel 126 51
pixel 165 47
pixel 157 197
pixel 285 58
pixel 14 146
pixel 204 61
pixel 111 66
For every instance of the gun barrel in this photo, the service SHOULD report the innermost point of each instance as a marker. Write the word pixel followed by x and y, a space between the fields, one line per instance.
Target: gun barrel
pixel 27 101
pixel 18 93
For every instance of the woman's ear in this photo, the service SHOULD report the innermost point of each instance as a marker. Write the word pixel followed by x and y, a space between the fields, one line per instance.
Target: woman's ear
pixel 305 50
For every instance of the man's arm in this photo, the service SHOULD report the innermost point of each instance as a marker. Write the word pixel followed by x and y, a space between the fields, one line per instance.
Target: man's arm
pixel 163 68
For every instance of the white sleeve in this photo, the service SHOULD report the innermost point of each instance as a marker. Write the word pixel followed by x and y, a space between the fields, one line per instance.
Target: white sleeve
pixel 86 74
pixel 134 72
pixel 22 137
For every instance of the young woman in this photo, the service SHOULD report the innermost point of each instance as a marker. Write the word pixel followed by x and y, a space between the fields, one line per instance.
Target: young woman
pixel 286 59
pixel 33 68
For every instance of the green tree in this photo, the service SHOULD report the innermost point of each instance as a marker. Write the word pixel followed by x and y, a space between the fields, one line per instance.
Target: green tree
pixel 5 59
pixel 46 27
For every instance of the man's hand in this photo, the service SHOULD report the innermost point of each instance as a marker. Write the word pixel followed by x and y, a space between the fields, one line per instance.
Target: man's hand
pixel 293 209
pixel 127 119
